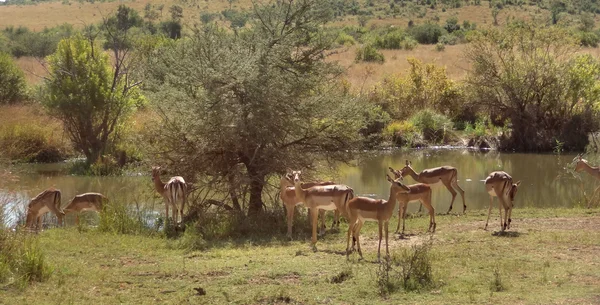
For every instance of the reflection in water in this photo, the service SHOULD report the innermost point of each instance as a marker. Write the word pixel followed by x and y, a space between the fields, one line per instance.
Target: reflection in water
pixel 545 181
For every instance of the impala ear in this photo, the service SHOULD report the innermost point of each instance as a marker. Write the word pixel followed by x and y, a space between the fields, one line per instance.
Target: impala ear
pixel 288 170
pixel 517 183
pixel 388 178
pixel 391 169
pixel 407 163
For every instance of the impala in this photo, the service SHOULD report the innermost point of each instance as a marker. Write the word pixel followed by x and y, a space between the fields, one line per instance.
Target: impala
pixel 420 192
pixel 287 194
pixel 361 209
pixel 447 175
pixel 594 171
pixel 500 184
pixel 85 202
pixel 318 198
pixel 46 201
pixel 173 192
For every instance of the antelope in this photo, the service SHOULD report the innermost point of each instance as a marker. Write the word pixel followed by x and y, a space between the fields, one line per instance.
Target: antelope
pixel 46 201
pixel 361 209
pixel 447 175
pixel 420 192
pixel 173 192
pixel 594 171
pixel 321 197
pixel 287 194
pixel 85 202
pixel 500 184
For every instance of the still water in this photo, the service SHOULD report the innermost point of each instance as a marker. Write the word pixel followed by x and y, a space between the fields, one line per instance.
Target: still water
pixel 547 180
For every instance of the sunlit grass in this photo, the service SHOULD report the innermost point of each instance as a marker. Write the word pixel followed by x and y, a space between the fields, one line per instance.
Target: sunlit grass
pixel 548 258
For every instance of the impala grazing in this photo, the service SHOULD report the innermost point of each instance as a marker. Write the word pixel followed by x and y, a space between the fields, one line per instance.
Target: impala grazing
pixel 447 175
pixel 422 193
pixel 46 201
pixel 173 192
pixel 85 202
pixel 594 171
pixel 287 194
pixel 329 197
pixel 500 184
pixel 361 209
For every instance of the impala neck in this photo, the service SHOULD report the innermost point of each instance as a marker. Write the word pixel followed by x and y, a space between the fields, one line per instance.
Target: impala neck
pixel 159 185
pixel 283 184
pixel 412 173
pixel 299 192
pixel 594 171
pixel 391 203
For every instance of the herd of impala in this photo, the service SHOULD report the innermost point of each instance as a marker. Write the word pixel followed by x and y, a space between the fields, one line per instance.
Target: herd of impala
pixel 319 197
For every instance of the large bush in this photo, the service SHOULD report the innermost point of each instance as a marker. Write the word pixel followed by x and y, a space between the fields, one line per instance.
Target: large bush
pixel 422 86
pixel 427 33
pixel 12 81
pixel 369 53
pixel 533 76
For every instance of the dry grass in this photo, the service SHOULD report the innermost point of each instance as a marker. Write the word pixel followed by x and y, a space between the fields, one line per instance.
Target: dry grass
pixel 34 71
pixel 25 114
pixel 49 14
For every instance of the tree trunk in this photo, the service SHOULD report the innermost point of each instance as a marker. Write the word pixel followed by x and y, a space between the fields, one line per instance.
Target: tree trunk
pixel 257 183
pixel 232 192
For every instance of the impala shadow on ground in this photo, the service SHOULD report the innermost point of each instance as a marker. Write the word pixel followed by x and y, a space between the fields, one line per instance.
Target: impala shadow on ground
pixel 507 234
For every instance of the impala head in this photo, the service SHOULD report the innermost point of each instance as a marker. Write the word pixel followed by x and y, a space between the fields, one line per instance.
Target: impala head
pixel 406 169
pixel 155 172
pixel 513 191
pixel 296 176
pixel 581 163
pixel 397 174
pixel 397 185
pixel 287 178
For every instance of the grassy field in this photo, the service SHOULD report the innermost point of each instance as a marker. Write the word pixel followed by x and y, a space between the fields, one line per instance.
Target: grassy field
pixel 549 256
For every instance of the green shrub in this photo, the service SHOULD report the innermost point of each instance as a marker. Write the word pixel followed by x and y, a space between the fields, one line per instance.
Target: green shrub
pixel 409 43
pixel 401 133
pixel 440 47
pixel 369 53
pixel 29 143
pixel 432 125
pixel 12 81
pixel 390 40
pixel 427 33
pixel 448 39
pixel 344 39
pixel 589 39
pixel 411 271
pixel 119 218
pixel 22 261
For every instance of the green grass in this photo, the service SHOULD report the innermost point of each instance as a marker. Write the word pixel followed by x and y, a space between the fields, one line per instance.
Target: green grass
pixel 549 256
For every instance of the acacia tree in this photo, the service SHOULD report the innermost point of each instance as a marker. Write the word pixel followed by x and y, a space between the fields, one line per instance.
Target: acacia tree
pixel 240 106
pixel 91 98
pixel 532 76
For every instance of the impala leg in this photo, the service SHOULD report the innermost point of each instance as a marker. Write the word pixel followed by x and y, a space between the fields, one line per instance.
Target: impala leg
pixel 322 226
pixel 420 208
pixel 380 224
pixel 77 218
pixel 501 219
pixel 462 194
pixel 452 191
pixel 400 208
pixel 290 219
pixel 509 219
pixel 314 213
pixel 39 223
pixel 350 229
pixel 357 235
pixel 336 218
pixel 489 212
pixel 166 212
pixel 387 249
pixel 431 210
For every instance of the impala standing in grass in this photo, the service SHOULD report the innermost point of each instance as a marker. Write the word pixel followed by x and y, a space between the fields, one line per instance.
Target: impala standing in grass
pixel 500 184
pixel 85 202
pixel 447 175
pixel 46 201
pixel 361 209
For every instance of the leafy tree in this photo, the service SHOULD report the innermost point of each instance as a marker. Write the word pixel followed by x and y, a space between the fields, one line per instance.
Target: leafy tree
pixel 92 99
pixel 117 28
pixel 176 12
pixel 237 108
pixel 12 81
pixel 422 86
pixel 530 75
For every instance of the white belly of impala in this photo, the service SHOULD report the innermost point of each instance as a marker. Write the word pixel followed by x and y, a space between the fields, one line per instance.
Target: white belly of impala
pixel 43 210
pixel 363 219
pixel 331 206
